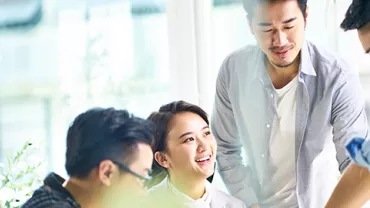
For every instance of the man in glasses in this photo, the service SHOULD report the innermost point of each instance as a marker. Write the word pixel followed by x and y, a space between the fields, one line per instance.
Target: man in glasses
pixel 108 159
pixel 353 189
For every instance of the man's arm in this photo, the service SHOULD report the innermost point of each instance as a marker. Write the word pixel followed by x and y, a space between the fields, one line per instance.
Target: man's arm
pixel 353 189
pixel 348 115
pixel 349 121
pixel 234 174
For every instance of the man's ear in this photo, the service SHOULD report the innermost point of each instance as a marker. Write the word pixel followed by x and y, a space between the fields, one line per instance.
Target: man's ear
pixel 106 171
pixel 306 15
pixel 162 159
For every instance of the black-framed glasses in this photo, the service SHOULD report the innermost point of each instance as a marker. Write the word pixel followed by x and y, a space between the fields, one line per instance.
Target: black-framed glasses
pixel 146 180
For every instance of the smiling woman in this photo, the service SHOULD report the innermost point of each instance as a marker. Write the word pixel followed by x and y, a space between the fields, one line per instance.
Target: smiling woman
pixel 177 126
pixel 185 153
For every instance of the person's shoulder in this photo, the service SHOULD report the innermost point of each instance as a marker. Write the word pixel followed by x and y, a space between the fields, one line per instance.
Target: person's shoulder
pixel 247 50
pixel 242 55
pixel 160 196
pixel 328 59
pixel 239 63
pixel 159 193
pixel 159 188
pixel 231 201
pixel 43 198
pixel 321 52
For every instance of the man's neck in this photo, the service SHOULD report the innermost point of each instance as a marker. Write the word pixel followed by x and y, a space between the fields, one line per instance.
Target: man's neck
pixel 193 188
pixel 281 76
pixel 83 193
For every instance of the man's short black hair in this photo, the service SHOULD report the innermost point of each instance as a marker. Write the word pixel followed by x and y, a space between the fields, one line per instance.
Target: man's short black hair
pixel 357 15
pixel 250 5
pixel 104 133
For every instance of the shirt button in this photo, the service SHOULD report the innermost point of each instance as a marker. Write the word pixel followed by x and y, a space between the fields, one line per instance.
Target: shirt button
pixel 272 95
pixel 263 155
pixel 268 126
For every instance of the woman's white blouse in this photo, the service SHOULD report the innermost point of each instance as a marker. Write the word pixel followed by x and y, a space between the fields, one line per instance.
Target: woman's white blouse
pixel 203 202
pixel 213 198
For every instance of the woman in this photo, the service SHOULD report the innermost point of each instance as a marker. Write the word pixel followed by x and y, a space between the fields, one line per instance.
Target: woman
pixel 185 154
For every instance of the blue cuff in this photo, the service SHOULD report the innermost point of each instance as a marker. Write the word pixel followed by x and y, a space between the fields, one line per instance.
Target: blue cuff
pixel 359 151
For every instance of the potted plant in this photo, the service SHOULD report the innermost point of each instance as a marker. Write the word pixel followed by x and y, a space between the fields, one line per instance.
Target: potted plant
pixel 19 176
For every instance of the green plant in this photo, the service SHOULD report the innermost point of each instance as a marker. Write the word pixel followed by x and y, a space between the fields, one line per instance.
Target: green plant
pixel 19 176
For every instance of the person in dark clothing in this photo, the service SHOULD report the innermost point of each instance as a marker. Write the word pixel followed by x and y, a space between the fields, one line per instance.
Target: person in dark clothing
pixel 108 159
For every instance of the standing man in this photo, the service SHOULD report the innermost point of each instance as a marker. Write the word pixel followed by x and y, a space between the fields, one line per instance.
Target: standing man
pixel 291 105
pixel 108 159
pixel 353 189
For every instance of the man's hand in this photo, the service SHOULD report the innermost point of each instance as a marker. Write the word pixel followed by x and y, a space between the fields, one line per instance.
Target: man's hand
pixel 255 206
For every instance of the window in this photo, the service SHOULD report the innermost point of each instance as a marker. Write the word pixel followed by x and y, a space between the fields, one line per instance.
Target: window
pixel 22 119
pixel 77 56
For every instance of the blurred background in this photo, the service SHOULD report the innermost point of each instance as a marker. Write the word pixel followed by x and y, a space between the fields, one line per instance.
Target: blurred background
pixel 60 57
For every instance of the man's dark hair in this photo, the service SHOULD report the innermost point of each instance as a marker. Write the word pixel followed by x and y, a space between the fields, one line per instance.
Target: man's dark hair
pixel 104 134
pixel 357 15
pixel 162 119
pixel 250 5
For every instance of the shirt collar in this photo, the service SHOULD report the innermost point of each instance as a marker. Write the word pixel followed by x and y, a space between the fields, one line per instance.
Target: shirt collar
pixel 205 198
pixel 55 182
pixel 306 62
pixel 305 66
